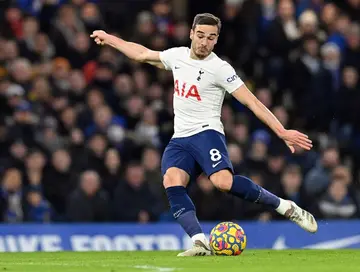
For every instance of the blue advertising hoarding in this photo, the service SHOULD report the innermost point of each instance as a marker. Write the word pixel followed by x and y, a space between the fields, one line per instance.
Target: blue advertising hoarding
pixel 116 237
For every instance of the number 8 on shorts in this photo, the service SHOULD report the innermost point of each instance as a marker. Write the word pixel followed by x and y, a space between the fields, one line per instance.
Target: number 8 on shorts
pixel 215 155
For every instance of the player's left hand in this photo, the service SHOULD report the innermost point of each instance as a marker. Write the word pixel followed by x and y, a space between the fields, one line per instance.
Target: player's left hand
pixel 294 138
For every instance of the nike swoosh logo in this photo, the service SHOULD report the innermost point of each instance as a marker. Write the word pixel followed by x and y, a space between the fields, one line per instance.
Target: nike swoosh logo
pixel 280 243
pixel 216 164
pixel 177 67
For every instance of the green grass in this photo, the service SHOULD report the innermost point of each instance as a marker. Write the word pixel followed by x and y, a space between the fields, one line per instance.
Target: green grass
pixel 249 261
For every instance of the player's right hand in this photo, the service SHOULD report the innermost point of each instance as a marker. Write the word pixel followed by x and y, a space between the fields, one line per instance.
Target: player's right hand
pixel 99 36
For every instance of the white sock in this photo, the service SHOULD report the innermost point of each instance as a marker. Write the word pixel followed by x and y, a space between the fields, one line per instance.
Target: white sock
pixel 283 206
pixel 201 237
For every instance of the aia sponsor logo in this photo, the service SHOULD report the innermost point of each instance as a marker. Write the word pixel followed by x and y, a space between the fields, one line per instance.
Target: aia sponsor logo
pixel 186 90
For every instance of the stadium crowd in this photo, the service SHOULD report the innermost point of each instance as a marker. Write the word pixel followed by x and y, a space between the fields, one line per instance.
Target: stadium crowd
pixel 82 128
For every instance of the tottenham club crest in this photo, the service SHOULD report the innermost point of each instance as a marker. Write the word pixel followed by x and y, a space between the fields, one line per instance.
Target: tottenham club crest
pixel 201 71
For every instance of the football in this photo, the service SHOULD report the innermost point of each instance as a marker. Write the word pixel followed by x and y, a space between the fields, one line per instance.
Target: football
pixel 228 239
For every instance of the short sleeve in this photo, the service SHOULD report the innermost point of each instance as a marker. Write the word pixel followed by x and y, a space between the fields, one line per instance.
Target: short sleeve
pixel 168 57
pixel 227 78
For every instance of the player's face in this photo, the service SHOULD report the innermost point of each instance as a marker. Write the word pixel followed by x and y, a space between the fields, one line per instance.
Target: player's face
pixel 204 38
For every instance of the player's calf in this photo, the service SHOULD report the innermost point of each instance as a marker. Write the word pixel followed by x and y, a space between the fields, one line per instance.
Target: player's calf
pixel 244 188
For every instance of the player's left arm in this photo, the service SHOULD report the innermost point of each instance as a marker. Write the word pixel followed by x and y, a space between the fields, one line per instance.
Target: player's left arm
pixel 231 82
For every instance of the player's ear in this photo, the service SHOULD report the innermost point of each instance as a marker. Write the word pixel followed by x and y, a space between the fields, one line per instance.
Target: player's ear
pixel 191 34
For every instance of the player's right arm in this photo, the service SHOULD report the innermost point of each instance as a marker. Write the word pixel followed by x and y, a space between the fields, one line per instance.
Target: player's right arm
pixel 132 50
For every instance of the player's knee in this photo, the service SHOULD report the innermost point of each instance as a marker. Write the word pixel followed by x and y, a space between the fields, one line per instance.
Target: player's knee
pixel 167 181
pixel 174 178
pixel 222 180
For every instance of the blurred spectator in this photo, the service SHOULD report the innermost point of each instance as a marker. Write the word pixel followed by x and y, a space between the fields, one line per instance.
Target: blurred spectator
pixel 60 77
pixel 330 53
pixel 162 10
pixel 94 99
pixel 23 124
pixel 113 171
pixel 258 152
pixel 39 209
pixel 282 34
pixel 291 183
pixel 48 137
pixel 20 71
pixel 14 94
pixel 305 159
pixel 34 173
pixel 12 197
pixel 96 147
pixel 40 95
pixel 309 25
pixel 236 157
pixel 151 160
pixel 77 147
pixel 336 203
pixel 338 33
pixel 66 25
pixel 352 51
pixel 328 16
pixel 133 199
pixel 144 28
pixel 312 82
pixel 68 119
pixel 91 17
pixel 123 86
pixel 81 52
pixel 318 178
pixel 147 131
pixel 59 181
pixel 180 34
pixel 348 95
pixel 77 87
pixel 134 108
pixel 240 132
pixel 275 167
pixel 17 154
pixel 227 118
pixel 104 75
pixel 88 203
pixel 11 51
pixel 107 123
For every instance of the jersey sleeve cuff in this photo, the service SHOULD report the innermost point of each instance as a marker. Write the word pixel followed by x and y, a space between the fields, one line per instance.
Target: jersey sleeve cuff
pixel 236 87
pixel 162 59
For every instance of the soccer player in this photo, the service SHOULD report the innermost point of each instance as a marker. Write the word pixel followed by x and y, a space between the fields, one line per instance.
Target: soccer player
pixel 201 80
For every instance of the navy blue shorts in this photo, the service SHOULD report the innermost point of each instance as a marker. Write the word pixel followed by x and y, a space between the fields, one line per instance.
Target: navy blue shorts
pixel 203 152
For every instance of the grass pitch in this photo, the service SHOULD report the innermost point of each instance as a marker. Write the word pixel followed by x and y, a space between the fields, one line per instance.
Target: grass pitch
pixel 150 261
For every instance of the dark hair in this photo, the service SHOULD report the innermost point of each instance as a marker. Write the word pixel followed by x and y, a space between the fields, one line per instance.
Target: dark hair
pixel 206 19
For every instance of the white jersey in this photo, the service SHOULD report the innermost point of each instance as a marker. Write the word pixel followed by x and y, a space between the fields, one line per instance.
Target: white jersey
pixel 199 90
